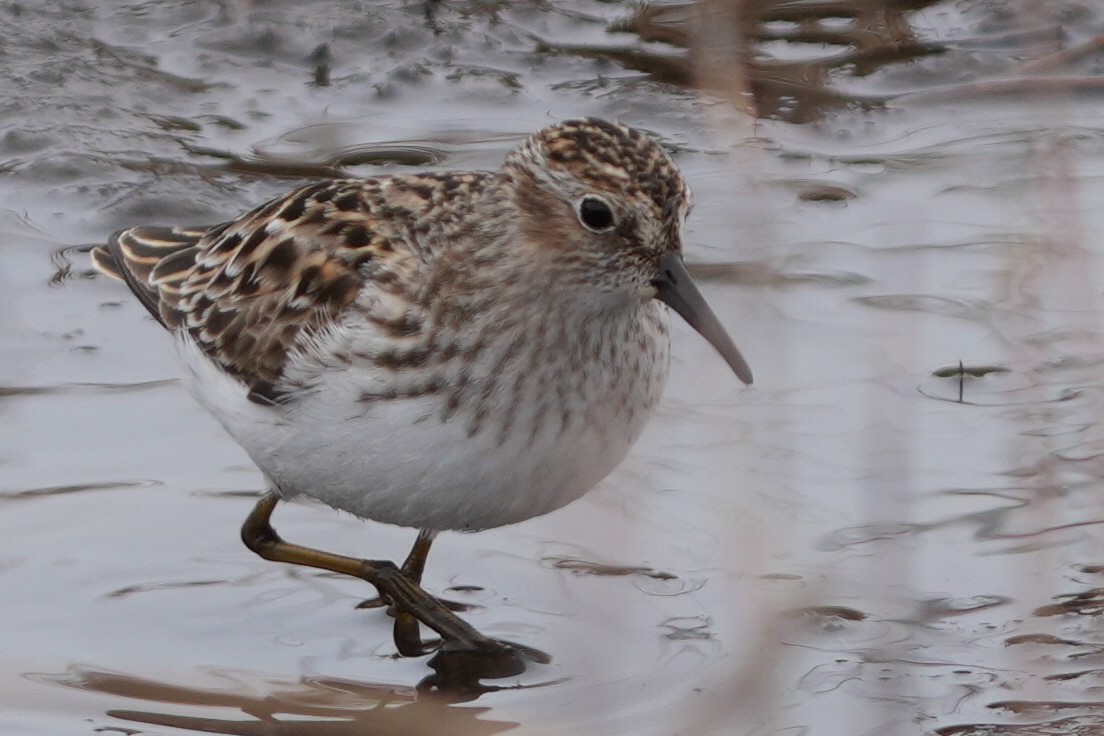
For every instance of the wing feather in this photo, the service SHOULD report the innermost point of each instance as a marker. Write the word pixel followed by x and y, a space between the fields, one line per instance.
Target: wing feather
pixel 251 291
pixel 132 255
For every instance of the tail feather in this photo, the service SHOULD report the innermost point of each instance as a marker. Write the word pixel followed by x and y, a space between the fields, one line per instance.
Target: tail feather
pixel 141 256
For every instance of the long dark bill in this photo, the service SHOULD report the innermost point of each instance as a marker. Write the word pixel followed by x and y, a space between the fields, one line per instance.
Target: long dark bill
pixel 676 289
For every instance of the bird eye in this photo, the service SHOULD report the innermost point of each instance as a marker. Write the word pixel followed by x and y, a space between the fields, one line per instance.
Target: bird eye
pixel 596 214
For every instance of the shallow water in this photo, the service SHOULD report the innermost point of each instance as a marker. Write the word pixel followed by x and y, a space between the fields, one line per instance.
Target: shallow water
pixel 870 541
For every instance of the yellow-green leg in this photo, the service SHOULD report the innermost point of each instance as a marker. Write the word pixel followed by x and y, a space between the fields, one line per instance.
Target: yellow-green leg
pixel 398 587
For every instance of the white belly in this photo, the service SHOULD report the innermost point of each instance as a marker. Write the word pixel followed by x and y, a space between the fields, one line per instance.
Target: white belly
pixel 399 461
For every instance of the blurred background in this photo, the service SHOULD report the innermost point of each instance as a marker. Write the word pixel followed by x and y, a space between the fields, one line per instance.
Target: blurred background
pixel 896 531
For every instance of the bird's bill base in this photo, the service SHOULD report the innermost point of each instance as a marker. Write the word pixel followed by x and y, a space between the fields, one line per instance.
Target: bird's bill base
pixel 676 289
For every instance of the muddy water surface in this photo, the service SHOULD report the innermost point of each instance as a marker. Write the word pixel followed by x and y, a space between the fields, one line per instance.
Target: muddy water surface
pixel 896 531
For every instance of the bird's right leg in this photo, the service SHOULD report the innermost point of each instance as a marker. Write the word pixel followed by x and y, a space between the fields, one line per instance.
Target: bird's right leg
pixel 405 595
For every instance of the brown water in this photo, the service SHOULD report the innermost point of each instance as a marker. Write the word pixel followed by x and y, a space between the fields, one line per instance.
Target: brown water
pixel 870 541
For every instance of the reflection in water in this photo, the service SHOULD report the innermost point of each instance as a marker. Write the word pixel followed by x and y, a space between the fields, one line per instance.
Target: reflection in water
pixel 310 706
pixel 798 62
pixel 731 47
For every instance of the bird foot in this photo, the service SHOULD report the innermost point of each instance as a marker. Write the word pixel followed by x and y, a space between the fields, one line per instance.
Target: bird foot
pixel 460 665
pixel 454 606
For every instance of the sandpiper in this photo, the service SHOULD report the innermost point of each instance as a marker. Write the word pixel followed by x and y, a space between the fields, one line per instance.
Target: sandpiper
pixel 444 351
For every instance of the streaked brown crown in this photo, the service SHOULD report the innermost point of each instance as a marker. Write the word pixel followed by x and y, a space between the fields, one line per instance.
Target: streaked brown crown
pixel 609 156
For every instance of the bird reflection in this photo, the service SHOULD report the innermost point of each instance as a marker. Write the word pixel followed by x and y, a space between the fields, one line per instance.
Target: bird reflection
pixel 311 705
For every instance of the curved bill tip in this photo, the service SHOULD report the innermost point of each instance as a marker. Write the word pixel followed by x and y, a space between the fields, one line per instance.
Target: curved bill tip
pixel 676 289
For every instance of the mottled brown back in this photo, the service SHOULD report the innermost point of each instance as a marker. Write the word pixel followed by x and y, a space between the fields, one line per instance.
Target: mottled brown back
pixel 250 291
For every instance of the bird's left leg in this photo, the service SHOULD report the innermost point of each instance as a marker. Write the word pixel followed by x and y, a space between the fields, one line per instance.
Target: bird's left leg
pixel 413 567
pixel 407 630
pixel 404 595
pixel 415 562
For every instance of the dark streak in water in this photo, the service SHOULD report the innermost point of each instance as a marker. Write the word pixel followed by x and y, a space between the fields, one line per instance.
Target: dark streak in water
pixel 1087 725
pixel 1044 706
pixel 958 308
pixel 389 154
pixel 974 371
pixel 689 628
pixel 762 274
pixel 940 608
pixel 85 388
pixel 843 613
pixel 333 167
pixel 1086 603
pixel 586 567
pixel 1064 676
pixel 146 67
pixel 48 491
pixel 151 587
